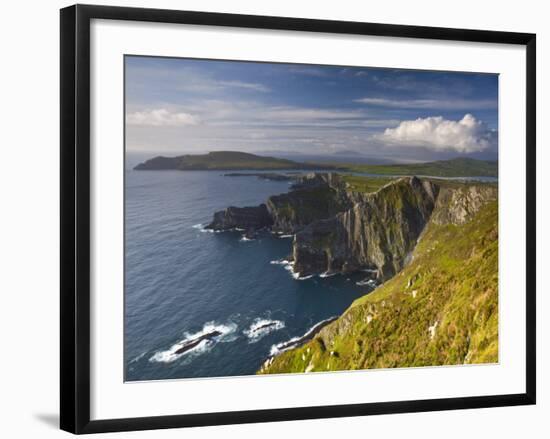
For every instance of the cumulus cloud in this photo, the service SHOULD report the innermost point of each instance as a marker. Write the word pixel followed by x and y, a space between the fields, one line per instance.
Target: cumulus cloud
pixel 161 117
pixel 466 135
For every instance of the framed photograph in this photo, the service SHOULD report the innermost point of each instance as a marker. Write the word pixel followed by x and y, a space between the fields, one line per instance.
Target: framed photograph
pixel 267 218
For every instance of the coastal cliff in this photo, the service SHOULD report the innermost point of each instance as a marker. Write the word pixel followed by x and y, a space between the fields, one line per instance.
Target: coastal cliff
pixel 312 197
pixel 431 244
pixel 249 219
pixel 377 232
pixel 343 224
pixel 440 308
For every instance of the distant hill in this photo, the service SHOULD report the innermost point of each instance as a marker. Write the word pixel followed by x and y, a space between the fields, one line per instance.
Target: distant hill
pixel 224 160
pixel 458 167
pixel 345 152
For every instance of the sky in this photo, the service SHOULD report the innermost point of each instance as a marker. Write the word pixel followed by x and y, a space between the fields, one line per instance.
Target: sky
pixel 187 106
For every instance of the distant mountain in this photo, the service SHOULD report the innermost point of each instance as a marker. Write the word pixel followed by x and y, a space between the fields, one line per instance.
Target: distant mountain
pixel 458 167
pixel 224 160
pixel 346 152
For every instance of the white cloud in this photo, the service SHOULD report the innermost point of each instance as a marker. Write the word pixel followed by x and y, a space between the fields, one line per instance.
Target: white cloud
pixel 309 71
pixel 306 115
pixel 442 104
pixel 465 136
pixel 161 117
pixel 245 85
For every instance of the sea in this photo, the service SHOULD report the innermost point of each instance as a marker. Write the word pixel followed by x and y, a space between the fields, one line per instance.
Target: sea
pixel 183 282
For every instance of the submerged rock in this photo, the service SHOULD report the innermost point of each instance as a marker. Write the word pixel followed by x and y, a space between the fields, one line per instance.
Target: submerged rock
pixel 196 341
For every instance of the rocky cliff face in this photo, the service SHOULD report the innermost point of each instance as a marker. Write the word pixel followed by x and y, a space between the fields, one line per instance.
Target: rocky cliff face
pixel 378 232
pixel 313 197
pixel 338 229
pixel 249 219
pixel 458 205
pixel 310 200
pixel 440 309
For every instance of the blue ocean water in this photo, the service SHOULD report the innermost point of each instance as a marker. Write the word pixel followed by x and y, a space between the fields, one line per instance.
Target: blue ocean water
pixel 182 281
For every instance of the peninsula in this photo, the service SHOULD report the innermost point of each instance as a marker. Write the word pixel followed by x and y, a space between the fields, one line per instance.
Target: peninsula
pixel 241 161
pixel 226 161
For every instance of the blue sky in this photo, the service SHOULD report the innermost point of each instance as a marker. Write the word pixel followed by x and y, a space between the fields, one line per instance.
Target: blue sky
pixel 176 106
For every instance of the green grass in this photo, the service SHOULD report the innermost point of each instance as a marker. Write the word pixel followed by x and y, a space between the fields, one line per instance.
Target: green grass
pixel 452 283
pixel 363 184
pixel 459 167
pixel 223 160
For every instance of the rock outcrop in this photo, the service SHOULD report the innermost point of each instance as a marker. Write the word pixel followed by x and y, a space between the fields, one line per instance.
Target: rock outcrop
pixel 249 219
pixel 337 229
pixel 440 309
pixel 459 205
pixel 378 232
pixel 315 196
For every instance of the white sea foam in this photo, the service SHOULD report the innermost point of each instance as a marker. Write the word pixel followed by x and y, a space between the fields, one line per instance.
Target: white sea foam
pixel 289 344
pixel 280 262
pixel 139 357
pixel 327 274
pixel 368 282
pixel 201 228
pixel 169 355
pixel 286 236
pixel 279 347
pixel 245 239
pixel 370 270
pixel 289 266
pixel 261 327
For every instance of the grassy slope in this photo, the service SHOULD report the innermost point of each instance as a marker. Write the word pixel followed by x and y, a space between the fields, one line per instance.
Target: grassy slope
pixel 233 160
pixel 459 167
pixel 365 184
pixel 222 160
pixel 452 280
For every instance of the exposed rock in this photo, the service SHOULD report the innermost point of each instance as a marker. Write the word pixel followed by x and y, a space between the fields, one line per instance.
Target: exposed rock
pixel 458 205
pixel 311 180
pixel 338 230
pixel 314 197
pixel 196 341
pixel 378 231
pixel 299 341
pixel 249 219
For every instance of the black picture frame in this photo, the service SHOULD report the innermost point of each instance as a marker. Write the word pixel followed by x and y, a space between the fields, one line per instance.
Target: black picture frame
pixel 75 217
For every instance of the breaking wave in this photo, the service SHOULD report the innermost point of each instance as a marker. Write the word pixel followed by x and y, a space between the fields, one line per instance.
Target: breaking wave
pixel 201 228
pixel 280 262
pixel 298 341
pixel 368 282
pixel 198 342
pixel 261 327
